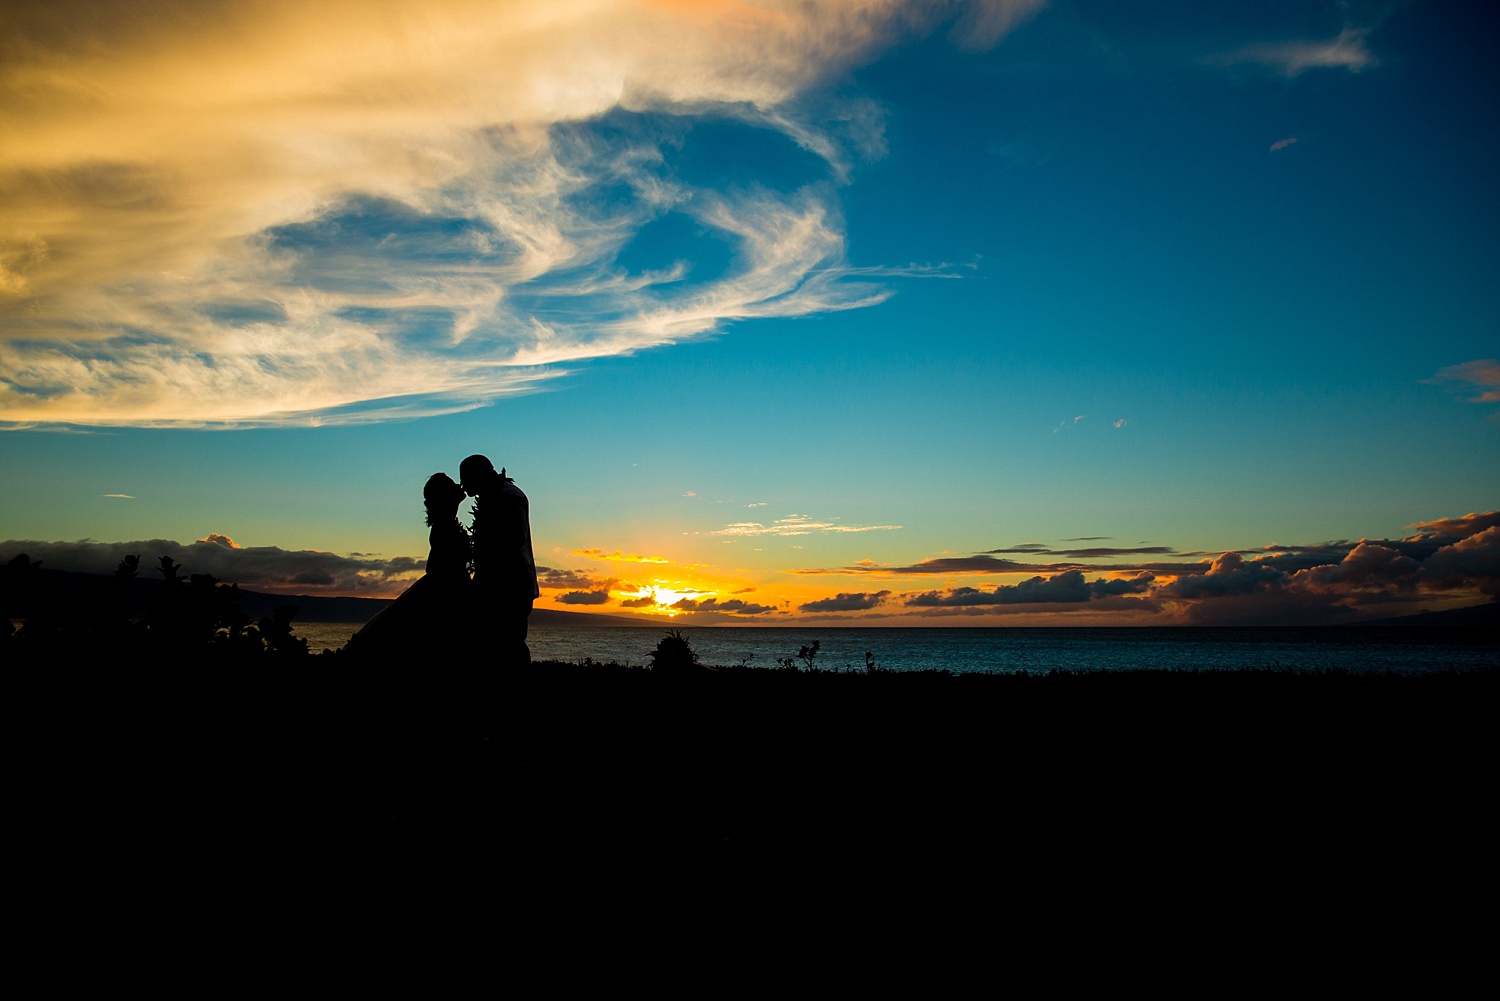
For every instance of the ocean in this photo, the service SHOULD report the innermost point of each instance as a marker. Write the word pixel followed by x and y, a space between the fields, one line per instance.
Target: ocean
pixel 1009 650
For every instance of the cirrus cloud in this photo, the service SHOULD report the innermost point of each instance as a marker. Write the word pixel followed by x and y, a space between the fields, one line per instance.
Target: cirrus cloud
pixel 234 213
pixel 618 557
pixel 797 524
pixel 1346 51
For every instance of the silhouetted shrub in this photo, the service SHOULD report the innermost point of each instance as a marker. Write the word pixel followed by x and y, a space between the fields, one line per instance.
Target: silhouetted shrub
pixel 18 586
pixel 674 655
pixel 277 633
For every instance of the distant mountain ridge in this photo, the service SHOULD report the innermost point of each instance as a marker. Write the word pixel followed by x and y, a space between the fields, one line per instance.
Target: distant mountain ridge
pixel 1469 617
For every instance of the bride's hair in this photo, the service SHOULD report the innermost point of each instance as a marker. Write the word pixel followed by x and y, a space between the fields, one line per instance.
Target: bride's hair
pixel 441 497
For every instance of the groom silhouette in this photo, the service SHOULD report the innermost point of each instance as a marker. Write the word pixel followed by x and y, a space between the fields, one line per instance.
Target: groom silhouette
pixel 504 568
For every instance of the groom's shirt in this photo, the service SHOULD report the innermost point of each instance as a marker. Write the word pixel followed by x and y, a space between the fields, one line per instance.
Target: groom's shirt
pixel 503 560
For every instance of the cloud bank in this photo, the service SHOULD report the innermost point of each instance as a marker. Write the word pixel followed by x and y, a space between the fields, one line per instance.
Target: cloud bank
pixel 841 602
pixel 733 606
pixel 224 212
pixel 1447 560
pixel 1067 587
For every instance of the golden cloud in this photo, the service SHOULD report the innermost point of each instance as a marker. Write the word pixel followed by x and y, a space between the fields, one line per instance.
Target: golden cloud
pixel 210 207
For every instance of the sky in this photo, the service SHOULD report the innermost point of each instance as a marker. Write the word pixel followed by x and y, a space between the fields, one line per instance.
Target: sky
pixel 849 313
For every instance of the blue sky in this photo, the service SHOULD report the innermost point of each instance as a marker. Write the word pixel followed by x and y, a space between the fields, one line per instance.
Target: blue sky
pixel 768 306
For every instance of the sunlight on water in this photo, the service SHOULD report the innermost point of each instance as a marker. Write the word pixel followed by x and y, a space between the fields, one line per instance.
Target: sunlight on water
pixel 325 635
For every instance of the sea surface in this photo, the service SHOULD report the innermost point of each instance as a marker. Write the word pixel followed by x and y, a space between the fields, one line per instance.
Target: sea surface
pixel 1008 650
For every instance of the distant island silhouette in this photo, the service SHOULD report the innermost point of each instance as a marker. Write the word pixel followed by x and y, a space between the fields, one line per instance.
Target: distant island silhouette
pixel 67 584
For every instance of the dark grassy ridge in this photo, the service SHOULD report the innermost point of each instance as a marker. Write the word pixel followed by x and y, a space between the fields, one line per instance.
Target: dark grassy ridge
pixel 1209 818
pixel 608 763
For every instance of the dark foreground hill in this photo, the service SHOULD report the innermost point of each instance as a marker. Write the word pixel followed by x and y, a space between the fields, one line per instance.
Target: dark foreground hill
pixel 563 779
pixel 742 827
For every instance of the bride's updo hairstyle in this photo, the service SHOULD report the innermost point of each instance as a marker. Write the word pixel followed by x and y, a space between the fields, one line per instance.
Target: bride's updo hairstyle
pixel 442 497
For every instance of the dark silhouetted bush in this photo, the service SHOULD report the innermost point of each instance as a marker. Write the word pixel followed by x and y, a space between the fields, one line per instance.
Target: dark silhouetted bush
pixel 674 655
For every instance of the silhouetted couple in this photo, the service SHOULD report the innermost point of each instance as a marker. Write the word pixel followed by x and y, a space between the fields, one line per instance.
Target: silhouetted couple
pixel 447 609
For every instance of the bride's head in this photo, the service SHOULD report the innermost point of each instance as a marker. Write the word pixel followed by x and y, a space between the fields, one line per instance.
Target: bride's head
pixel 442 497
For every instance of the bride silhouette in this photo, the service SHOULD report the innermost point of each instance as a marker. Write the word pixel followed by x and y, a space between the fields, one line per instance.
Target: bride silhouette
pixel 433 613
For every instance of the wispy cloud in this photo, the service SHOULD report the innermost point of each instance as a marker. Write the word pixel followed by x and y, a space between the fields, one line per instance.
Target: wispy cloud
pixel 1347 51
pixel 1282 143
pixel 618 557
pixel 940 566
pixel 983 24
pixel 1098 552
pixel 120 496
pixel 1483 374
pixel 279 212
pixel 797 524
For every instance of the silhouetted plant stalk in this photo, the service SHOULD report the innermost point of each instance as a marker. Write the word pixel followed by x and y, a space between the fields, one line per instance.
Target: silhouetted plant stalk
pixel 806 655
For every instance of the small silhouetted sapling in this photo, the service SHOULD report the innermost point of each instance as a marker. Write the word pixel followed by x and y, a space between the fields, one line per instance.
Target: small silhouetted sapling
pixel 806 655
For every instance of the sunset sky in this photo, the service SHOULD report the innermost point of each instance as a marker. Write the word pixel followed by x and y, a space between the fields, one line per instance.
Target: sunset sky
pixel 866 312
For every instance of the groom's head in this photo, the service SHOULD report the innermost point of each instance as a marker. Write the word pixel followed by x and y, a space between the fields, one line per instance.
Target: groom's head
pixel 475 473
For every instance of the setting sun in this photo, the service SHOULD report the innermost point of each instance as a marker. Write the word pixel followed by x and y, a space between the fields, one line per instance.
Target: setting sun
pixel 661 598
pixel 666 596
